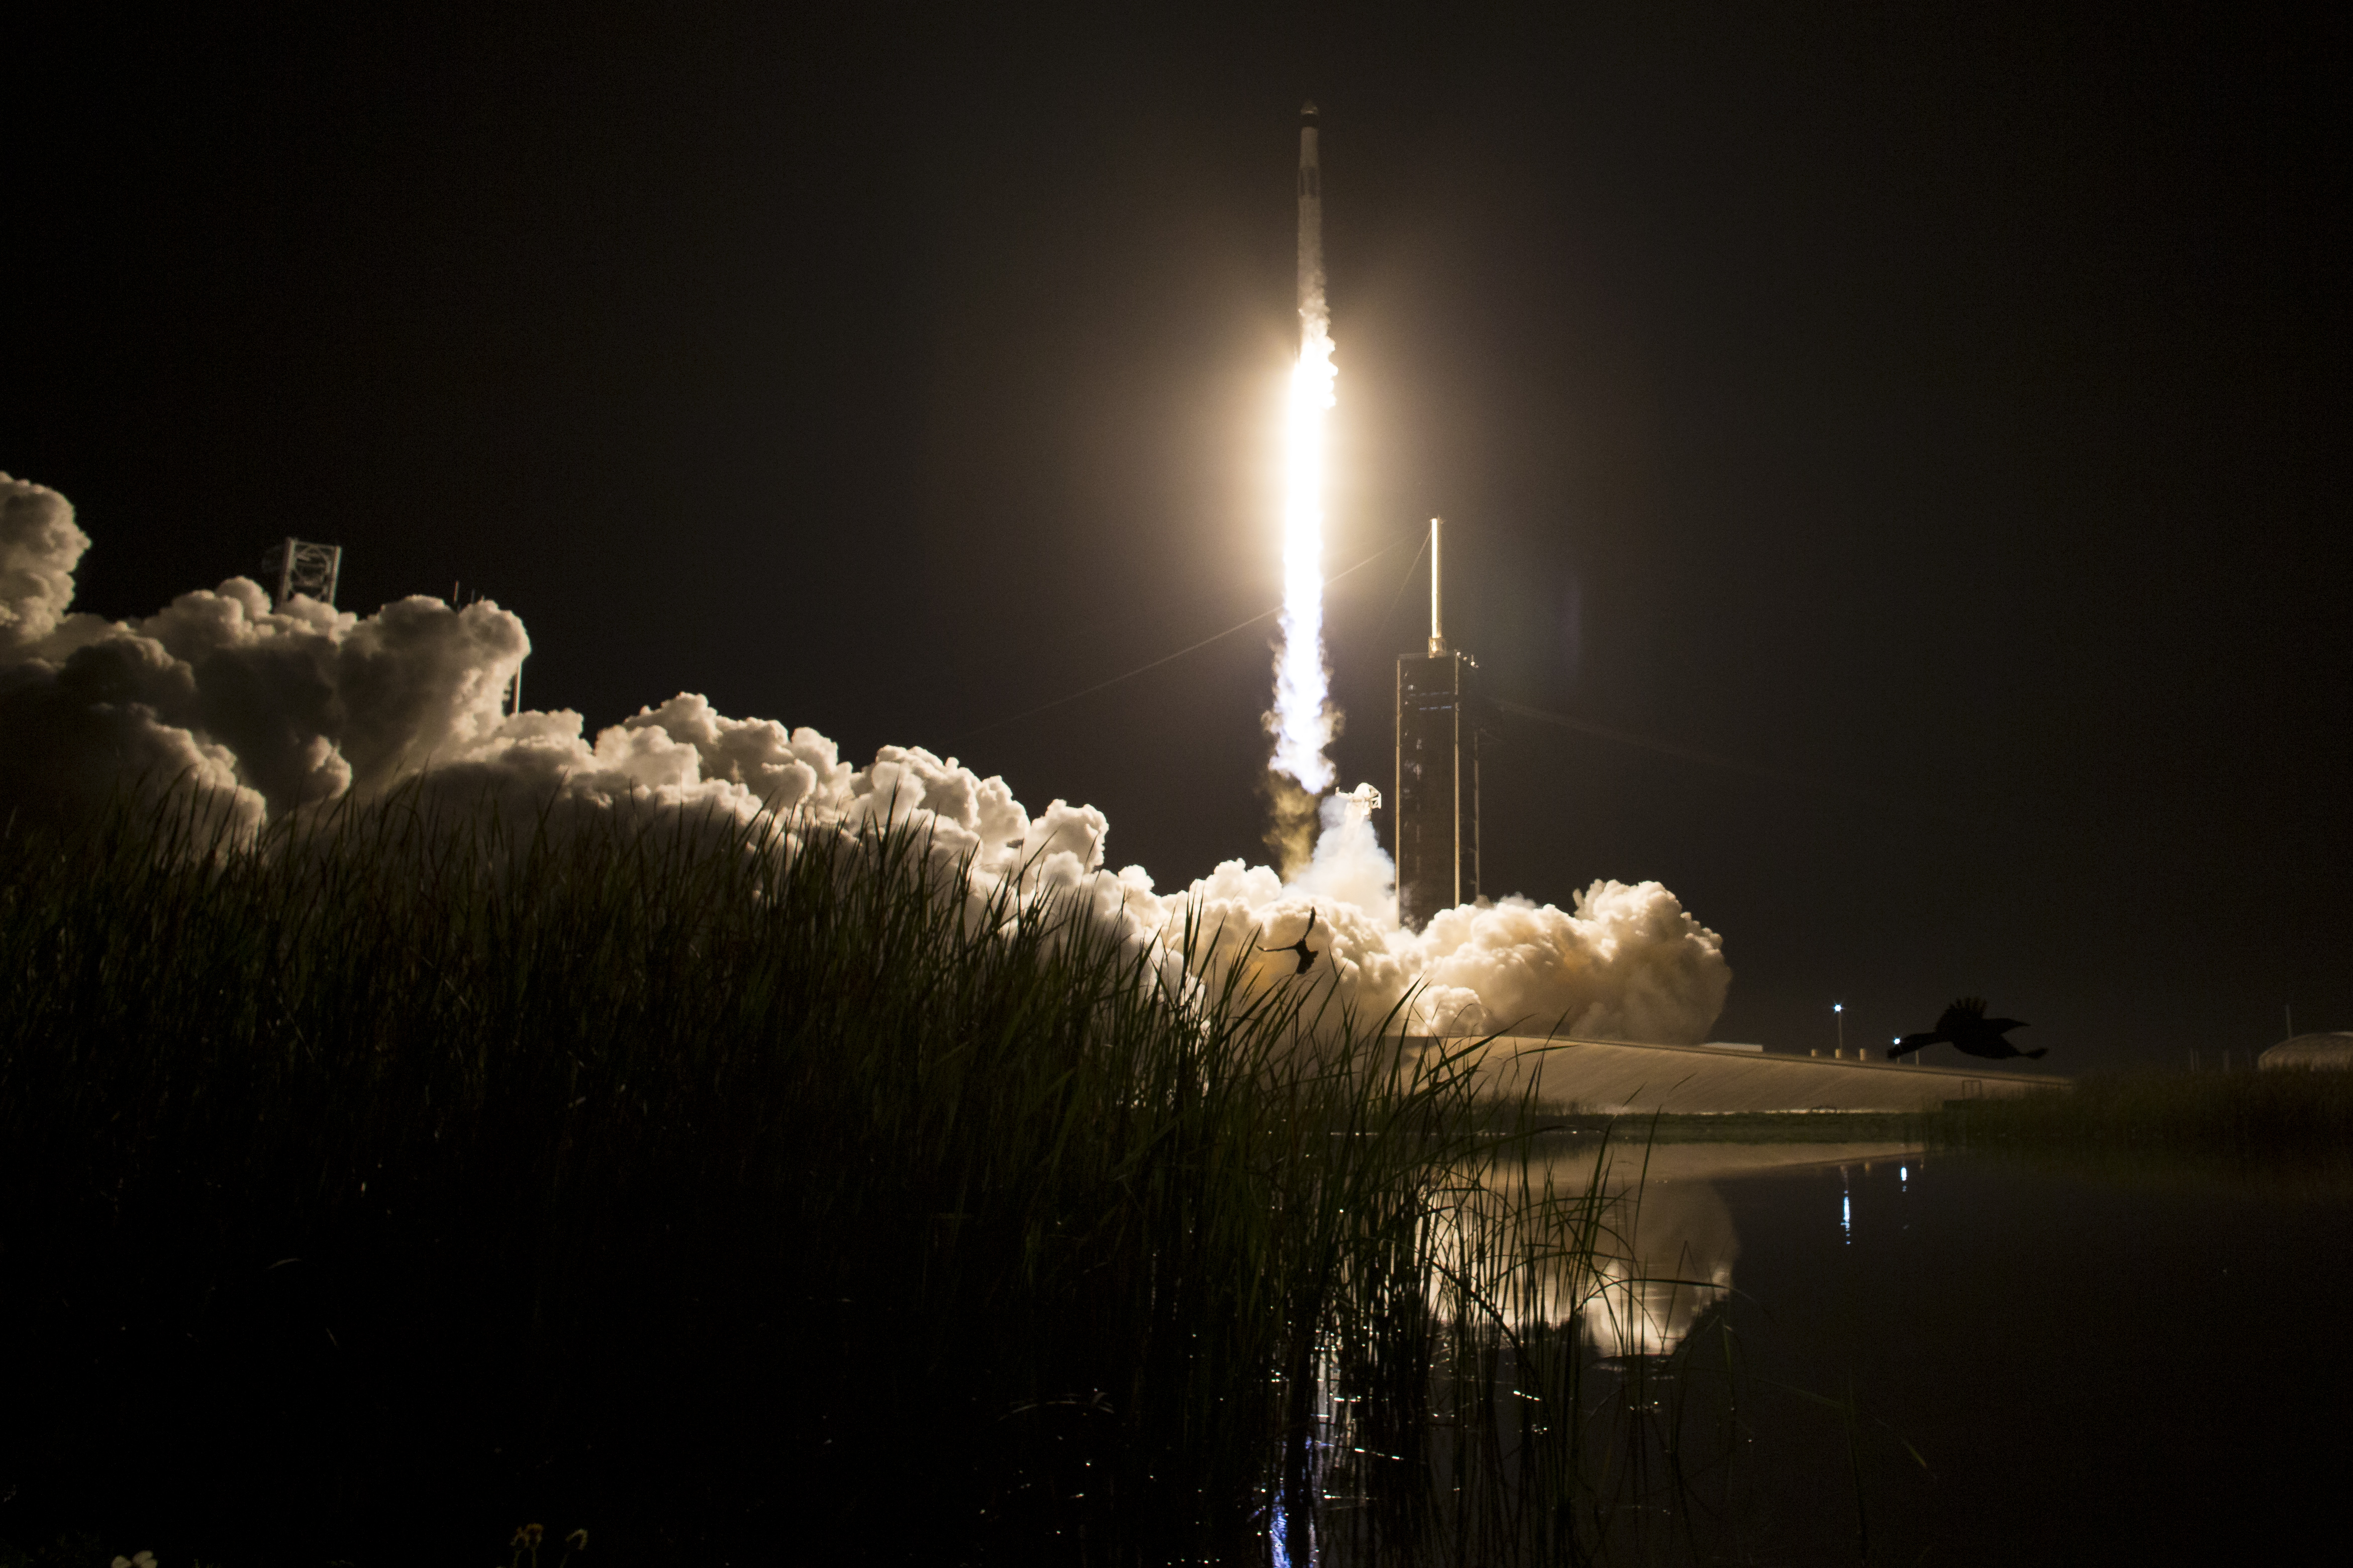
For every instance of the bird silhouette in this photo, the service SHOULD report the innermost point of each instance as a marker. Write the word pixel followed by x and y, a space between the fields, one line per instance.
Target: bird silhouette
pixel 1306 953
pixel 1968 1030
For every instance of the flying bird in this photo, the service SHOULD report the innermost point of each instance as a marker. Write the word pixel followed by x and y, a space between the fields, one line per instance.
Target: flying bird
pixel 1968 1030
pixel 1306 953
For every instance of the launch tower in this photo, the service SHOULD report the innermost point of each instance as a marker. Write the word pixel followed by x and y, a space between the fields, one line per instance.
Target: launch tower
pixel 1440 727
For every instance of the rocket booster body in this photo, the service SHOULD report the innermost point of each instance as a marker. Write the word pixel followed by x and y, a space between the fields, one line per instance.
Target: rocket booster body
pixel 1314 317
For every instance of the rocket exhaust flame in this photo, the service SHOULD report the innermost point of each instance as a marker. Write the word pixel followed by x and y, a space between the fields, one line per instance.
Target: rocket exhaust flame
pixel 1302 724
pixel 1303 721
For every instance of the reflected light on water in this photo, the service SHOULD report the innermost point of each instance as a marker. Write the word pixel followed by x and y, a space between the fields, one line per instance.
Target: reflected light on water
pixel 1665 1244
pixel 1650 1313
pixel 1673 1262
pixel 1663 1247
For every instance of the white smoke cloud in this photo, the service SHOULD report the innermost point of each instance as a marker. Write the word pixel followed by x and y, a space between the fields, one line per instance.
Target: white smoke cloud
pixel 1627 963
pixel 39 548
pixel 269 711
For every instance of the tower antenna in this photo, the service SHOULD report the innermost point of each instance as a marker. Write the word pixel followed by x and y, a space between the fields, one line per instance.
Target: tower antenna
pixel 1437 590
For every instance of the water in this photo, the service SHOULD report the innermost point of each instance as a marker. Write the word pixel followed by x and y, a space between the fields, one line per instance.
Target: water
pixel 2088 1369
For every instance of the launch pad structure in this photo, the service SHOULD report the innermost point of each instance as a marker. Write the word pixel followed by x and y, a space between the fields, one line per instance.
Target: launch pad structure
pixel 1441 729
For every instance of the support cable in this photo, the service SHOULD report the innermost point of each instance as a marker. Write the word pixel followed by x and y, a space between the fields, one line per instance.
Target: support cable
pixel 1165 659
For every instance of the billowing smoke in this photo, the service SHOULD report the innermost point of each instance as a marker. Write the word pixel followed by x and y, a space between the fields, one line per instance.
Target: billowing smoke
pixel 272 711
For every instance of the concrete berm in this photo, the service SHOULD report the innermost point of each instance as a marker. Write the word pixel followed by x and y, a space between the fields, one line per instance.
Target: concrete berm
pixel 1620 1078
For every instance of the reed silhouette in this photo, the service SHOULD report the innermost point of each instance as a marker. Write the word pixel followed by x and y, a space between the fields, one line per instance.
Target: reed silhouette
pixel 731 1187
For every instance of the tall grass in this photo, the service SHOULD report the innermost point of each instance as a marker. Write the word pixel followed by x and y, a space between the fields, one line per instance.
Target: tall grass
pixel 415 1168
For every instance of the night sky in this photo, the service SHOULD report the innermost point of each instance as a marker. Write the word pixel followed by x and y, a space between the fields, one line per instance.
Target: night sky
pixel 1934 414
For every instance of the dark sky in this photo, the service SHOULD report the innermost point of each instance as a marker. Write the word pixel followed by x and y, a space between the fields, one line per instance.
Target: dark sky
pixel 1936 409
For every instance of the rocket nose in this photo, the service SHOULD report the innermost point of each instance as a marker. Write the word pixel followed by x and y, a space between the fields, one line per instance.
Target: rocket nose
pixel 1307 109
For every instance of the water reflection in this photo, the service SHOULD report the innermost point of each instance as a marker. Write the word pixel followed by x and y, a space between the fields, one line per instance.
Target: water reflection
pixel 1681 1248
pixel 2145 1448
pixel 1661 1241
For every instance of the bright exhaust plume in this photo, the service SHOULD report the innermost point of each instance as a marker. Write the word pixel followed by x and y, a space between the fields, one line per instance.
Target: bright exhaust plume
pixel 1302 718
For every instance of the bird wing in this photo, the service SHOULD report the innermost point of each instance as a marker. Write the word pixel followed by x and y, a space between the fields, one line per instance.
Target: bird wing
pixel 1968 1010
pixel 1295 946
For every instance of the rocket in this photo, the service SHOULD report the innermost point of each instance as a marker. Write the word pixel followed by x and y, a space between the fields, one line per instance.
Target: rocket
pixel 1313 316
pixel 1302 715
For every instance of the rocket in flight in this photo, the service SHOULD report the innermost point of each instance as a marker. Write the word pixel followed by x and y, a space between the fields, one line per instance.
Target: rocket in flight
pixel 1314 317
pixel 1302 719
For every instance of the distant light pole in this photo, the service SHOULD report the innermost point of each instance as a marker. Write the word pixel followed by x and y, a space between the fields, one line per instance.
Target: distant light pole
pixel 1838 1010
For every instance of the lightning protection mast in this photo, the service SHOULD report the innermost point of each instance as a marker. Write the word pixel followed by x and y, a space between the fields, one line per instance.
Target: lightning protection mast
pixel 1441 725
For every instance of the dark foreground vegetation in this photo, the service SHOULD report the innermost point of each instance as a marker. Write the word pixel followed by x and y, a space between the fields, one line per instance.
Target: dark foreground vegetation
pixel 369 1191
pixel 2296 1122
